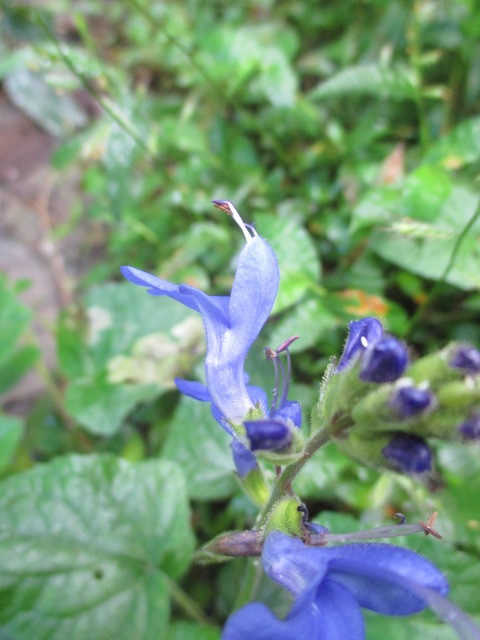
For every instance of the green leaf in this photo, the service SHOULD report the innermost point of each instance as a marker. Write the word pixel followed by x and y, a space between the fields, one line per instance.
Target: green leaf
pixel 120 314
pixel 425 192
pixel 183 630
pixel 15 367
pixel 201 446
pixel 459 147
pixel 55 112
pixel 88 545
pixel 101 406
pixel 428 254
pixel 300 268
pixel 379 81
pixel 14 319
pixel 11 431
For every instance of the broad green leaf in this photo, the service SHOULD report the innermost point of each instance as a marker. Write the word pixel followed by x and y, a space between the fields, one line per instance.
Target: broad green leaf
pixel 425 192
pixel 88 545
pixel 120 314
pixel 300 268
pixel 459 147
pixel 201 446
pixel 379 81
pixel 11 431
pixel 429 255
pixel 101 406
pixel 56 112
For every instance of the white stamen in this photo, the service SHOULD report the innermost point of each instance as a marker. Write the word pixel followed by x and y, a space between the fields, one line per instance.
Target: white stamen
pixel 247 230
pixel 364 341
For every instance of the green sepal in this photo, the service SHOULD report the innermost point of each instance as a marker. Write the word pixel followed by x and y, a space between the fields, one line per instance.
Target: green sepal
pixel 435 368
pixel 255 486
pixel 460 394
pixel 284 516
pixel 338 394
pixel 366 448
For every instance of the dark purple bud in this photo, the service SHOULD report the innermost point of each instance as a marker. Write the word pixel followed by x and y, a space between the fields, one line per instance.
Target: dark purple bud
pixel 289 411
pixel 243 458
pixel 268 435
pixel 408 453
pixel 470 429
pixel 361 334
pixel 466 358
pixel 410 401
pixel 384 361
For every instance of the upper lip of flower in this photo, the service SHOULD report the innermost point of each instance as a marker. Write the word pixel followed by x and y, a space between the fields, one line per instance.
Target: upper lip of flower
pixel 231 322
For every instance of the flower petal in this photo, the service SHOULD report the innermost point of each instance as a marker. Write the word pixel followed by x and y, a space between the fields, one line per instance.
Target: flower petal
pixel 268 435
pixel 383 577
pixel 193 389
pixel 243 458
pixel 330 613
pixel 361 333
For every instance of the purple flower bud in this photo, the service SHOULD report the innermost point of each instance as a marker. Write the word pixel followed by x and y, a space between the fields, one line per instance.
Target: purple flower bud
pixel 408 453
pixel 384 361
pixel 467 358
pixel 409 401
pixel 470 429
pixel 243 458
pixel 268 435
pixel 361 333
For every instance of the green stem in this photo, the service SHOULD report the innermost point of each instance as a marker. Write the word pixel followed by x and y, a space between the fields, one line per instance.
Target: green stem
pixel 250 582
pixel 415 57
pixel 107 105
pixel 159 26
pixel 283 484
pixel 185 603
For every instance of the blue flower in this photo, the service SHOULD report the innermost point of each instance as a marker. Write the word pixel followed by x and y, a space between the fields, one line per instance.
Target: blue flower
pixel 384 360
pixel 330 585
pixel 231 322
pixel 231 325
pixel 408 453
pixel 466 358
pixel 409 401
pixel 361 333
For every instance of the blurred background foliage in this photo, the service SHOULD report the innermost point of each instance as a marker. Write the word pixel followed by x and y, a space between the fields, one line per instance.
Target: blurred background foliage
pixel 350 135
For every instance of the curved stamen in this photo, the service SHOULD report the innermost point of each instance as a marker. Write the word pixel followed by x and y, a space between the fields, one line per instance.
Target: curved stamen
pixel 286 379
pixel 227 206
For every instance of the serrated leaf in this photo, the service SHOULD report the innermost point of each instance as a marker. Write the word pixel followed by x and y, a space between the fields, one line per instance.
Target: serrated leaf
pixel 88 545
pixel 201 446
pixel 300 268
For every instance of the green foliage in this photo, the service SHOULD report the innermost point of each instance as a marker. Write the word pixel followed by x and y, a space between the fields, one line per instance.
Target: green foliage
pixel 89 546
pixel 349 134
